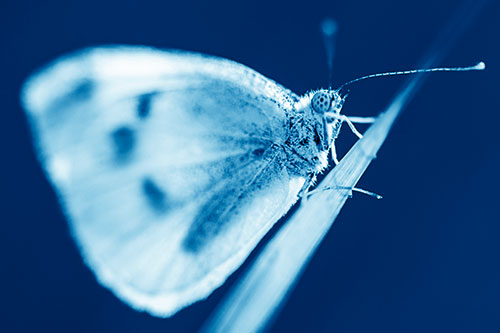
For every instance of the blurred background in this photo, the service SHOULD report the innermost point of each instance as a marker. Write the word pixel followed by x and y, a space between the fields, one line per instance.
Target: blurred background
pixel 423 259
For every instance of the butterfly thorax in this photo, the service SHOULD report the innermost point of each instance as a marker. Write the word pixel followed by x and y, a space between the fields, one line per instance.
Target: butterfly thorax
pixel 307 144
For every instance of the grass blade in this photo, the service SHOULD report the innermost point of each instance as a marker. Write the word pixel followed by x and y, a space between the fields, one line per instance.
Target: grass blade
pixel 255 299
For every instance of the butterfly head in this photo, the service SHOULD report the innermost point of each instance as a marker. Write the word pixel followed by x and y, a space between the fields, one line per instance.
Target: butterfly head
pixel 325 107
pixel 325 101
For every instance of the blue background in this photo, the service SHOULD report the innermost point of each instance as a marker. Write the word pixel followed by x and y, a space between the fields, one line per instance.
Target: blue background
pixel 424 259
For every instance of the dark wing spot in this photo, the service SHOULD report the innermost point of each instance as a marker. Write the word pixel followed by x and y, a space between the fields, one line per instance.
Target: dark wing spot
pixel 82 90
pixel 123 140
pixel 144 105
pixel 155 196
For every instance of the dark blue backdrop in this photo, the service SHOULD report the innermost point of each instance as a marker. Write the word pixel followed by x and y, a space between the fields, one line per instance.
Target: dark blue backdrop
pixel 424 259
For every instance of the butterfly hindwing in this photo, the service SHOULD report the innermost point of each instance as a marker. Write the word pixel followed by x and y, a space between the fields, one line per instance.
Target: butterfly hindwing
pixel 167 165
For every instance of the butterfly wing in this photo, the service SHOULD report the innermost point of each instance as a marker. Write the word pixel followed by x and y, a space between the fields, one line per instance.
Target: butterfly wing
pixel 167 165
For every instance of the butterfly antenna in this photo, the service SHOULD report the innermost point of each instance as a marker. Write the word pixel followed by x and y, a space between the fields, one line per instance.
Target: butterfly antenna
pixel 329 31
pixel 478 67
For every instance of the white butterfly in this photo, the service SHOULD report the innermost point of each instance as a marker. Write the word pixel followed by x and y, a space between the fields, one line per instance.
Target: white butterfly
pixel 171 166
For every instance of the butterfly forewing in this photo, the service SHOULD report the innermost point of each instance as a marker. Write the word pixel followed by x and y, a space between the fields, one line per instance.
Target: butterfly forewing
pixel 167 165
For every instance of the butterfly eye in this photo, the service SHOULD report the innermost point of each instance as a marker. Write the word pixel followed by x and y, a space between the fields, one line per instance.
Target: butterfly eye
pixel 321 101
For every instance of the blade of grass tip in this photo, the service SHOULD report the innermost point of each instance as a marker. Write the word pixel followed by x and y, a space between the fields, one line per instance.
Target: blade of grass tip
pixel 257 297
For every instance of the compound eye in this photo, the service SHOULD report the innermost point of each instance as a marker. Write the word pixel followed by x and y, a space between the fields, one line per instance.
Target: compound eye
pixel 321 101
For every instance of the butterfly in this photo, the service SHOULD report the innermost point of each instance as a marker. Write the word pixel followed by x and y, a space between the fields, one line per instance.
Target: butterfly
pixel 171 166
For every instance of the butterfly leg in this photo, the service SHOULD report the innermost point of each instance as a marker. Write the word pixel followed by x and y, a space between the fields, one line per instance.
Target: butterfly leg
pixel 351 120
pixel 351 126
pixel 350 189
pixel 334 154
pixel 362 120
pixel 304 191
